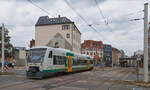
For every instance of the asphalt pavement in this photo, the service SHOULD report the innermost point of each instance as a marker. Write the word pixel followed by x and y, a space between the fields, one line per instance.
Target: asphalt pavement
pixel 97 79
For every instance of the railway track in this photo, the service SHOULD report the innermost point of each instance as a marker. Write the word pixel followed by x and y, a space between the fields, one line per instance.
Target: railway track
pixel 17 84
pixel 48 85
pixel 65 80
pixel 116 82
pixel 56 84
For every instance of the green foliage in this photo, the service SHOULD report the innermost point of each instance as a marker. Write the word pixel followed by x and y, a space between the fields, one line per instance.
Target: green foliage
pixel 8 45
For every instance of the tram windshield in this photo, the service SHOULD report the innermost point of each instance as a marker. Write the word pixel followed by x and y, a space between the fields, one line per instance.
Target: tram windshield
pixel 36 55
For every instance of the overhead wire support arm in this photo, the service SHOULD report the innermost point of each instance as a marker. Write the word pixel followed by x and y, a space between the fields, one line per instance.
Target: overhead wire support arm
pixel 136 19
pixel 136 12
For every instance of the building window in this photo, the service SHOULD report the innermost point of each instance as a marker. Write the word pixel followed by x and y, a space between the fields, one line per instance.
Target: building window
pixel 56 45
pixel 68 35
pixel 96 45
pixel 94 49
pixel 65 27
pixel 87 53
pixel 91 53
pixel 91 49
pixel 87 48
pixel 83 49
pixel 97 53
pixel 74 27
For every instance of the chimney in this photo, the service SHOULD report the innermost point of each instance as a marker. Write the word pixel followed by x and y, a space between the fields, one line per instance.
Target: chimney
pixel 58 16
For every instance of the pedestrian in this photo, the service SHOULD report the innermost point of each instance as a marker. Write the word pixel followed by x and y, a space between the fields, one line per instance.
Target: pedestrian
pixel 13 63
pixel 6 65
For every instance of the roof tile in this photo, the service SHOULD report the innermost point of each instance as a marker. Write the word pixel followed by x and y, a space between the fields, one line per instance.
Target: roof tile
pixel 45 20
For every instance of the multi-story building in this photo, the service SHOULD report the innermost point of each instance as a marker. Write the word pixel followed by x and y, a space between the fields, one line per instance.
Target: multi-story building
pixel 107 54
pixel 58 32
pixel 93 48
pixel 138 52
pixel 19 54
pixel 115 56
pixel 32 43
pixel 122 54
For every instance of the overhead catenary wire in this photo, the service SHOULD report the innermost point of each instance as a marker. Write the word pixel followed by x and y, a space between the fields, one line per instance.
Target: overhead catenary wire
pixel 87 22
pixel 76 12
pixel 106 22
pixel 30 1
pixel 135 19
pixel 20 25
pixel 101 13
pixel 133 13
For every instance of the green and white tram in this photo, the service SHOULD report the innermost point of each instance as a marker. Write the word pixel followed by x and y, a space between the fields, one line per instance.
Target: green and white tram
pixel 44 61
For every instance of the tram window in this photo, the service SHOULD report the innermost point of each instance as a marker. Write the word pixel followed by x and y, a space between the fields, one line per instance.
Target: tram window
pixel 75 62
pixel 59 60
pixel 55 60
pixel 80 62
pixel 50 54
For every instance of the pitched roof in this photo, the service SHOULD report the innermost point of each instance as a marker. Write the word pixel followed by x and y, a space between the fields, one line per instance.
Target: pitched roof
pixel 20 48
pixel 92 44
pixel 45 20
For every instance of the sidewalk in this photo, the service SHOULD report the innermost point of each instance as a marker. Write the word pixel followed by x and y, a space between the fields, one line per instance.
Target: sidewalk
pixel 141 71
pixel 16 70
pixel 19 67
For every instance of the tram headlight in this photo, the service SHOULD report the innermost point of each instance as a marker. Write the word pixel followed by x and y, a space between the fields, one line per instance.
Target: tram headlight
pixel 40 68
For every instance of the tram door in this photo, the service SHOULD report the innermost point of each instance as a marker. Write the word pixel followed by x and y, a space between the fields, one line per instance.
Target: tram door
pixel 88 64
pixel 69 63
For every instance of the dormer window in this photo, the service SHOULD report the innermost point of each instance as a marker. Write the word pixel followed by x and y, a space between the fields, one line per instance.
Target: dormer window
pixel 65 27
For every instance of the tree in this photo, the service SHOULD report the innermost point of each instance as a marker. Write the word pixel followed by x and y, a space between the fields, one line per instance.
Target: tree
pixel 8 45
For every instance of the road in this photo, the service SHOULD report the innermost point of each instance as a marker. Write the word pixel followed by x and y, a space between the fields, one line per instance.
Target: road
pixel 97 79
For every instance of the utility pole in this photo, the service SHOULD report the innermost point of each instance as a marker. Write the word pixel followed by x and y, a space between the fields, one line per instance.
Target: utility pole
pixel 146 42
pixel 2 42
pixel 112 61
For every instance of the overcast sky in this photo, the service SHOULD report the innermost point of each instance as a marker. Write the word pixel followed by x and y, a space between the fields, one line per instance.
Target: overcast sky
pixel 20 16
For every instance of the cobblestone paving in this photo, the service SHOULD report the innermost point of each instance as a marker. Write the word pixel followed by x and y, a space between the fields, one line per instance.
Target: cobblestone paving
pixel 96 79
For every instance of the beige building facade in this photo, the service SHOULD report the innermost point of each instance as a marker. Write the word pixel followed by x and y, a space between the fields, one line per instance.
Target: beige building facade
pixel 20 56
pixel 57 32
